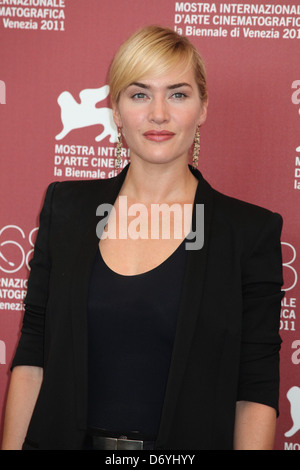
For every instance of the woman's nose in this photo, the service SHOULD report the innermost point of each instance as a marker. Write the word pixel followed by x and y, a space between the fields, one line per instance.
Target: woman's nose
pixel 158 112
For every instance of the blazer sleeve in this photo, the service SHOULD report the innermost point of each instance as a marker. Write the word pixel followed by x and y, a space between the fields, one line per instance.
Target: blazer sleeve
pixel 262 295
pixel 30 350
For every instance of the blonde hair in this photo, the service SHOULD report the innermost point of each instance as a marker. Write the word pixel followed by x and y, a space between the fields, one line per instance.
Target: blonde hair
pixel 154 51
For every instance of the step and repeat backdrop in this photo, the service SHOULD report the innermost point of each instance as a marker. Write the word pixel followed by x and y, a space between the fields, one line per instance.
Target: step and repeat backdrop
pixel 56 124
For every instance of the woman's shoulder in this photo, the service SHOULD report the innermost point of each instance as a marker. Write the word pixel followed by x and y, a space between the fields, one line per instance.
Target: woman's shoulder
pixel 244 216
pixel 232 209
pixel 235 206
pixel 80 189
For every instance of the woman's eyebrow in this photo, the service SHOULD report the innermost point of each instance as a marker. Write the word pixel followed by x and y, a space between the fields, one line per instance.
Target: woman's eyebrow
pixel 178 85
pixel 140 85
pixel 170 87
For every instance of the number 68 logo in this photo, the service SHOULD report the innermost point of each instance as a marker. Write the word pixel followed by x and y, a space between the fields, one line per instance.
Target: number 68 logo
pixel 289 272
pixel 12 253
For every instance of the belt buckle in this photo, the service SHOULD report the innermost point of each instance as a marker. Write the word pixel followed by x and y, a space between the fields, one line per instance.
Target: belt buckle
pixel 111 443
pixel 129 444
pixel 104 443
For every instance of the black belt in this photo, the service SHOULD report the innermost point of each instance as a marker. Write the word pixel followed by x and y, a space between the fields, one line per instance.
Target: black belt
pixel 100 442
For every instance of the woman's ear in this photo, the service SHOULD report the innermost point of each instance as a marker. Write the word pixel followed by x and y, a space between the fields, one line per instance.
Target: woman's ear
pixel 116 115
pixel 203 113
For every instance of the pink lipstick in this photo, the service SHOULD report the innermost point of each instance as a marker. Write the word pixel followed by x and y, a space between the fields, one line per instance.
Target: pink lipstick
pixel 158 136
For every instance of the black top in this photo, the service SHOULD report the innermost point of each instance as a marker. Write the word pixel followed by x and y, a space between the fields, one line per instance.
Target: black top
pixel 227 342
pixel 131 327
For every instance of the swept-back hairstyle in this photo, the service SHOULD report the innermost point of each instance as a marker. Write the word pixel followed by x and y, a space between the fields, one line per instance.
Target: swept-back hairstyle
pixel 154 51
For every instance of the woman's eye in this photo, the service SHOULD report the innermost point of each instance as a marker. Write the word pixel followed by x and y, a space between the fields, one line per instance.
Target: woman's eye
pixel 179 95
pixel 139 96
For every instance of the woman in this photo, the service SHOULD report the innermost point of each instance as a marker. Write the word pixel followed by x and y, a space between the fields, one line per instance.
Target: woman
pixel 148 334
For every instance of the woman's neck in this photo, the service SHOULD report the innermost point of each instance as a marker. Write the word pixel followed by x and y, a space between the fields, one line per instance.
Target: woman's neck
pixel 158 183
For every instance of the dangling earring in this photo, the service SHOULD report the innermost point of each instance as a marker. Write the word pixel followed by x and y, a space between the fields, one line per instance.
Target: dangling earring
pixel 196 148
pixel 119 150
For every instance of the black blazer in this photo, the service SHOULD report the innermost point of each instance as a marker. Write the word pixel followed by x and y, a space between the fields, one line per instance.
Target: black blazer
pixel 227 343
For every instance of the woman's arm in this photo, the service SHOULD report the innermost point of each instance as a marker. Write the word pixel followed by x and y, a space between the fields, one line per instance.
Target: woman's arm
pixel 255 426
pixel 258 388
pixel 24 388
pixel 27 365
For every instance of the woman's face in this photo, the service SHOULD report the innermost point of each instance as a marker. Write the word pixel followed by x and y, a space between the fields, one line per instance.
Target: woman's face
pixel 159 116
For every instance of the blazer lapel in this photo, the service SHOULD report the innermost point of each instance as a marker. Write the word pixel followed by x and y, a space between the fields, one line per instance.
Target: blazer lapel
pixel 189 311
pixel 87 245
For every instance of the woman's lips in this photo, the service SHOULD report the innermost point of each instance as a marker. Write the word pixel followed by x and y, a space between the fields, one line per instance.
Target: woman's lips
pixel 158 136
